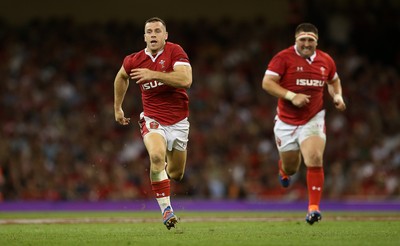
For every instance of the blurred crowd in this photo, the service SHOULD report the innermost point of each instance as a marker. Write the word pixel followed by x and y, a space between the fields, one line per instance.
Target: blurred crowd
pixel 59 139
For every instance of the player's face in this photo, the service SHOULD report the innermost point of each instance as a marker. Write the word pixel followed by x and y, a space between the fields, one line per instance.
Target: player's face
pixel 306 46
pixel 155 36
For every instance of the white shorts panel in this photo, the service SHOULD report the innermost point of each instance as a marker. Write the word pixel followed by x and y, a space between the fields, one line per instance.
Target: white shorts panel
pixel 176 135
pixel 289 137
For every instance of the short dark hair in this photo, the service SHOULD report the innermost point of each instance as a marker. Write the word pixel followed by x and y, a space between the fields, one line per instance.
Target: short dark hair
pixel 306 27
pixel 156 19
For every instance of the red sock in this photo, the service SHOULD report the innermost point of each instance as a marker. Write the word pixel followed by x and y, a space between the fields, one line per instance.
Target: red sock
pixel 161 188
pixel 315 183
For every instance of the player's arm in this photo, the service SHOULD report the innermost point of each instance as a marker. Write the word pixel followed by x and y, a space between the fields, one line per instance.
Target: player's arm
pixel 335 90
pixel 271 85
pixel 180 77
pixel 121 84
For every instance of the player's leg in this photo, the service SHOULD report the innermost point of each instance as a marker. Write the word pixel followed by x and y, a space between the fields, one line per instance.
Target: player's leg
pixel 312 145
pixel 176 142
pixel 156 147
pixel 312 149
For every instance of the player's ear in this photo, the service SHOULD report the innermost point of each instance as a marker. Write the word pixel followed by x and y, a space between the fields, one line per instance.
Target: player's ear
pixel 166 35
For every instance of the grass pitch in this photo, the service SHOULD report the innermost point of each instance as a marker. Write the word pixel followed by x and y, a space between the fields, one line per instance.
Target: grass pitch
pixel 199 228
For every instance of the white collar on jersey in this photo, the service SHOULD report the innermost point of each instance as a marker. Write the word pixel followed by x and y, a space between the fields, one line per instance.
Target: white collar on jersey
pixel 153 58
pixel 310 59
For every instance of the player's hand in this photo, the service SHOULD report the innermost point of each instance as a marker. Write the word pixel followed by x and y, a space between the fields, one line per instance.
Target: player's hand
pixel 300 100
pixel 141 75
pixel 120 118
pixel 339 103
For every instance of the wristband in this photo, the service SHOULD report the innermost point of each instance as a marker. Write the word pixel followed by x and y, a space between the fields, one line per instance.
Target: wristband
pixel 290 95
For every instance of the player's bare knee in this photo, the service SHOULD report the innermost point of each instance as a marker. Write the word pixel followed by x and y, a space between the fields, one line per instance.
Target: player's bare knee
pixel 314 161
pixel 157 159
pixel 176 175
pixel 291 167
pixel 290 170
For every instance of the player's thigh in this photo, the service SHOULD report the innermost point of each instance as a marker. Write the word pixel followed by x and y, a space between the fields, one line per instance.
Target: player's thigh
pixel 312 149
pixel 156 147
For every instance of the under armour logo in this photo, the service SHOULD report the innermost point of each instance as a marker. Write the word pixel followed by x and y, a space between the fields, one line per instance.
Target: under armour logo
pixel 160 194
pixel 299 69
pixel 316 188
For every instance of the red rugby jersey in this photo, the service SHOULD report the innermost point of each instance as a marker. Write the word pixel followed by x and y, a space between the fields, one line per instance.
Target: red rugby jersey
pixel 166 104
pixel 301 76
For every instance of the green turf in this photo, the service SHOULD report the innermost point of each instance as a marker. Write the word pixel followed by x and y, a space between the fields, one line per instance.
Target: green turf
pixel 230 229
